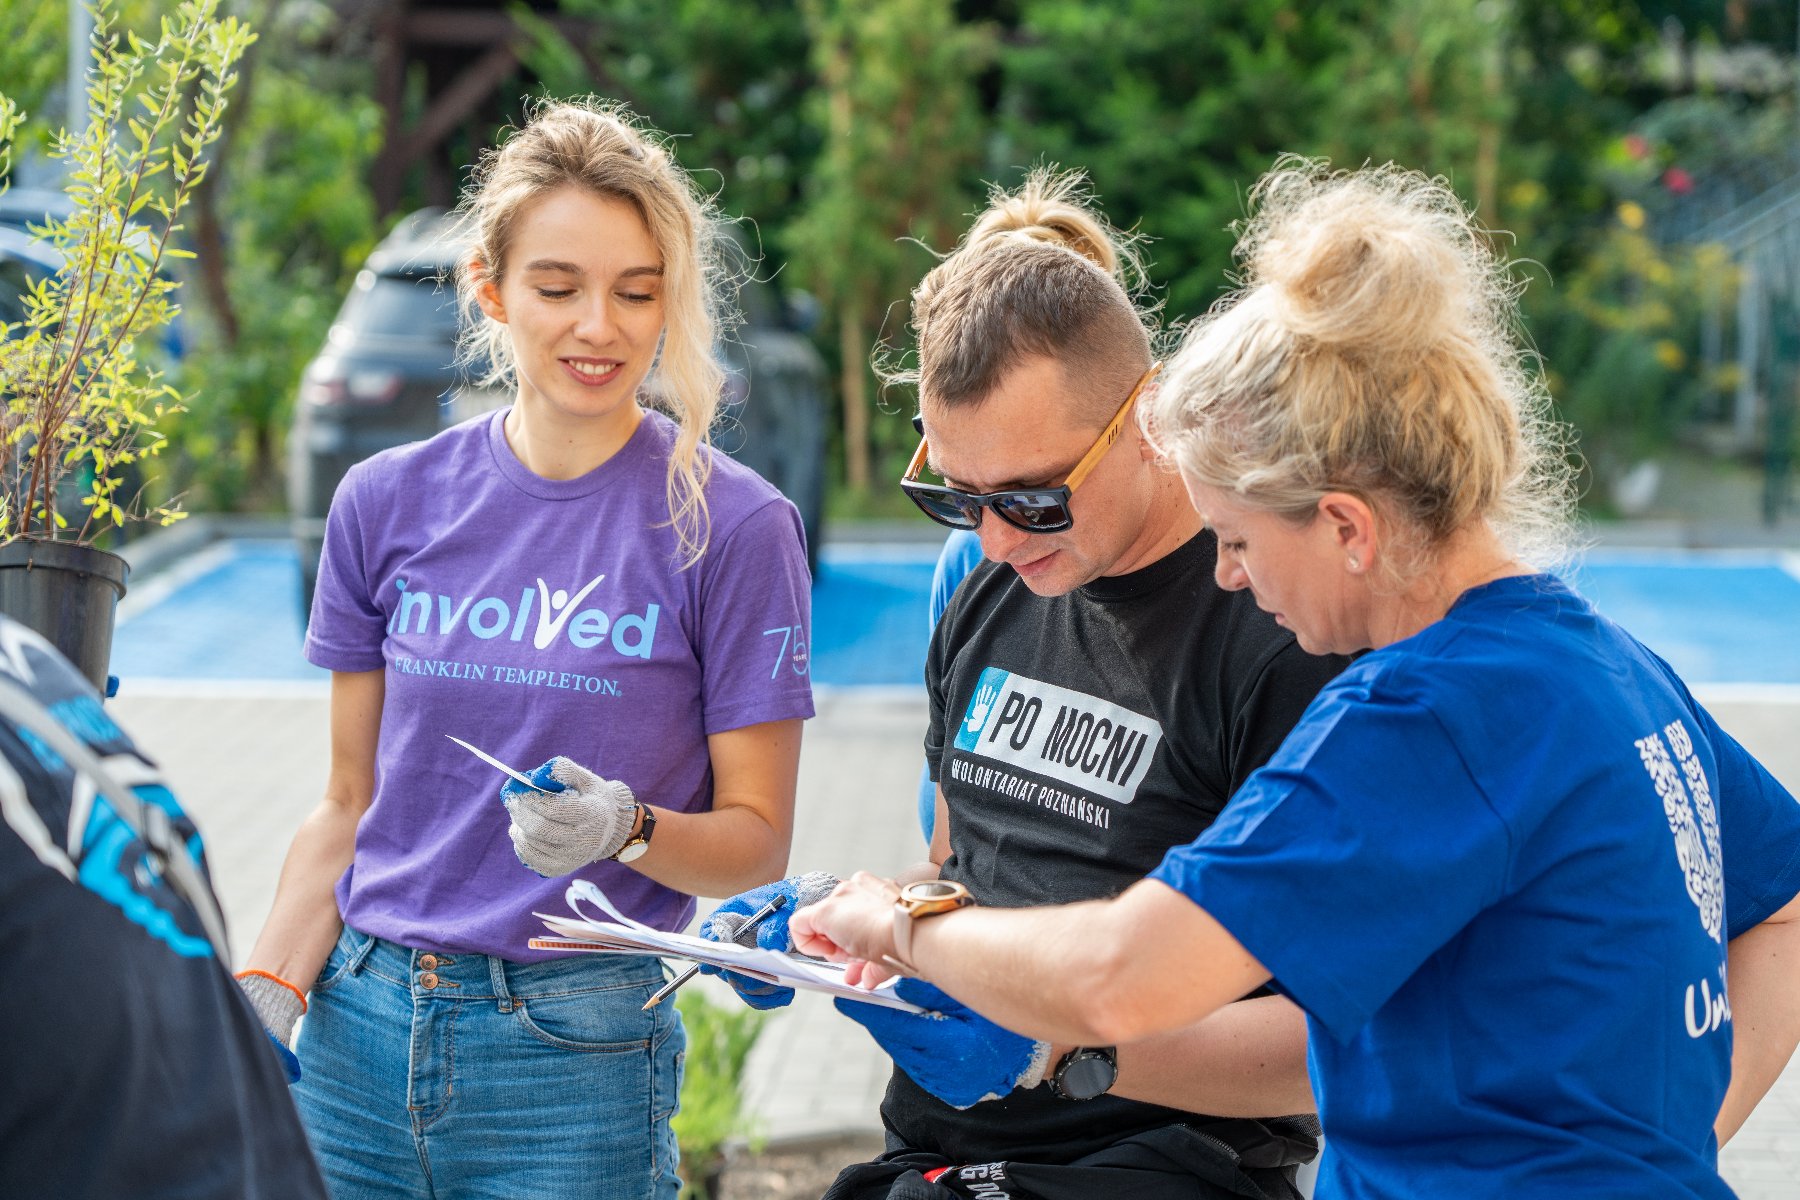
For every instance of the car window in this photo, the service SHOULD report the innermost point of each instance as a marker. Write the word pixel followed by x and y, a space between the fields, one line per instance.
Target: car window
pixel 13 281
pixel 404 305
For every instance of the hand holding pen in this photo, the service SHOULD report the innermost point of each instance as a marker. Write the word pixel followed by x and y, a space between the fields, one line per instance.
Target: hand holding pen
pixel 745 936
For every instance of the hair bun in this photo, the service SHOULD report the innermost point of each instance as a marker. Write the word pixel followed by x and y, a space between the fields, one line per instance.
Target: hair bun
pixel 1373 261
pixel 1057 209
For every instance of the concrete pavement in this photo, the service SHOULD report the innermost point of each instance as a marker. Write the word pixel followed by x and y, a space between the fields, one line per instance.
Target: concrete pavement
pixel 249 762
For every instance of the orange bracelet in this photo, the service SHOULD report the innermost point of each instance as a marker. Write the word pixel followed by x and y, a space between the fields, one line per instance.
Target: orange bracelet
pixel 298 994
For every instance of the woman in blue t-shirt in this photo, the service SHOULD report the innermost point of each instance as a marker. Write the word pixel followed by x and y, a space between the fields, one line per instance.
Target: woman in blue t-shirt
pixel 1506 863
pixel 574 578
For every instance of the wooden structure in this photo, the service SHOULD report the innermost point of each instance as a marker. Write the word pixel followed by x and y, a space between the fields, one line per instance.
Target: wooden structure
pixel 466 54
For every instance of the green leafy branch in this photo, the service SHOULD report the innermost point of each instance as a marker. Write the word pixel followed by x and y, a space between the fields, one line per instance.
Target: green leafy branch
pixel 77 396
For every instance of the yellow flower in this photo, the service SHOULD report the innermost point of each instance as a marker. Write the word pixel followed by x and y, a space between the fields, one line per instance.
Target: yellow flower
pixel 1631 215
pixel 1670 355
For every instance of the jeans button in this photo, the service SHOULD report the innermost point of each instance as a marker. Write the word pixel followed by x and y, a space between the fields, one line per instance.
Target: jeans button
pixel 428 961
pixel 429 979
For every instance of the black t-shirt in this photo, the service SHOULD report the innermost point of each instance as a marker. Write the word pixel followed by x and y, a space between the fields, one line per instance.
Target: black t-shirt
pixel 130 1062
pixel 1077 738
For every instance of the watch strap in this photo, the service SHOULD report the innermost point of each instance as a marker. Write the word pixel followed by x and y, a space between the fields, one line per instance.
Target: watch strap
pixel 639 842
pixel 903 926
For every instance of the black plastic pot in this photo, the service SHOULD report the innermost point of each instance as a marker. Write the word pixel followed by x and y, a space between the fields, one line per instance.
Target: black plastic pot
pixel 68 594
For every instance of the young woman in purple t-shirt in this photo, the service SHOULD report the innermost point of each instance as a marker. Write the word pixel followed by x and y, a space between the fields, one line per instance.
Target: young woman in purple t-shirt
pixel 576 579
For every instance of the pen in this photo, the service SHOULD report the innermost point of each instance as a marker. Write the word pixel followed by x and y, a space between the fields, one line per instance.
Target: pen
pixel 749 926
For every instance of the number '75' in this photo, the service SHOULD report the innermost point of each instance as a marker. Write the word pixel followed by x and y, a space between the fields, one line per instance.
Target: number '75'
pixel 790 635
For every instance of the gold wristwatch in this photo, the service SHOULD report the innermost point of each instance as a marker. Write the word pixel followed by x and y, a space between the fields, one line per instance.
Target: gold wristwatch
pixel 924 899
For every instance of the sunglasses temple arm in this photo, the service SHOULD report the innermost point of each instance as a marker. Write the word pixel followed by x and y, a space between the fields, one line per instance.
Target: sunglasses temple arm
pixel 918 462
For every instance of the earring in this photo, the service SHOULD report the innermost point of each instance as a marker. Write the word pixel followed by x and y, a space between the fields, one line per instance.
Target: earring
pixel 1355 565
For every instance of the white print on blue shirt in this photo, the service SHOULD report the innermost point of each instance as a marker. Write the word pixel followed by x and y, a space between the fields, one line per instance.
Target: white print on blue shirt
pixel 1073 738
pixel 1696 843
pixel 632 635
pixel 1705 1009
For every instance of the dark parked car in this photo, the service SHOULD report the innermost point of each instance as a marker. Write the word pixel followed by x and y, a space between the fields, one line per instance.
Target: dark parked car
pixel 387 375
pixel 23 261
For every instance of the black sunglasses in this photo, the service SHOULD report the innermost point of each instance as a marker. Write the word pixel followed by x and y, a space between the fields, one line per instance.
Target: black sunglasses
pixel 1035 510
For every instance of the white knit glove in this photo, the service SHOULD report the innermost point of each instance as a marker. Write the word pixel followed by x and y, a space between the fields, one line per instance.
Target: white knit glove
pixel 278 1004
pixel 579 818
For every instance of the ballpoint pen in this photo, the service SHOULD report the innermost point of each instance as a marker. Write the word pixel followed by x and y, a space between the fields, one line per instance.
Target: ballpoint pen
pixel 749 926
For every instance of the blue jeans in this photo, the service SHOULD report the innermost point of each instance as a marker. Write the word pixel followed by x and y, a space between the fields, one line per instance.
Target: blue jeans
pixel 471 1077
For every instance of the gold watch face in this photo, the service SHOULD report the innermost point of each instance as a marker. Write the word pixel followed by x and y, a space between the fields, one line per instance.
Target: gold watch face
pixel 933 896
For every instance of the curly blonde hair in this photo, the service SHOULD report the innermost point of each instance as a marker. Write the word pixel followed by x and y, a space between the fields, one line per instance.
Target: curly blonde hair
pixel 1373 347
pixel 1040 274
pixel 602 147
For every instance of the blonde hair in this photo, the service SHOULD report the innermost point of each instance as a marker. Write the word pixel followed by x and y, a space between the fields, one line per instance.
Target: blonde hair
pixel 1372 348
pixel 601 147
pixel 1040 274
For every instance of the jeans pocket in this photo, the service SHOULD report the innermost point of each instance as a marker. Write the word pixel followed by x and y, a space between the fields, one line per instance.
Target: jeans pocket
pixel 602 1021
pixel 351 948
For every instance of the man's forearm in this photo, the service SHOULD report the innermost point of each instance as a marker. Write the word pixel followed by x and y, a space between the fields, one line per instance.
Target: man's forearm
pixel 1246 1060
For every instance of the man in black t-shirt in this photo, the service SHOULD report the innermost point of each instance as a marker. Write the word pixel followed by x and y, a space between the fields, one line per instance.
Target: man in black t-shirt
pixel 133 1064
pixel 1075 739
pixel 1095 699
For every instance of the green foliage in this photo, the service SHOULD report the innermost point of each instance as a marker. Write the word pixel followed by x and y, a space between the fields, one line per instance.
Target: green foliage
pixel 79 402
pixel 842 128
pixel 1179 105
pixel 902 134
pixel 1625 325
pixel 1176 106
pixel 1173 107
pixel 31 54
pixel 719 1041
pixel 295 219
pixel 902 138
pixel 728 78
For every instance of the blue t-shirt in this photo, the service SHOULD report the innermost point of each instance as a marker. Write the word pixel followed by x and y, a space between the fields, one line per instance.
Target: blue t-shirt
pixel 1497 864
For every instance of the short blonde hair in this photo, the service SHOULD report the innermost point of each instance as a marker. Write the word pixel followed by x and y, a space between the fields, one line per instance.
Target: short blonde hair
pixel 1372 348
pixel 1040 274
pixel 601 147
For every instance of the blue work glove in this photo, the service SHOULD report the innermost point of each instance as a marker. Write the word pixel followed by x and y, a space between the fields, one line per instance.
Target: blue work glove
pixel 576 818
pixel 290 1062
pixel 771 933
pixel 951 1051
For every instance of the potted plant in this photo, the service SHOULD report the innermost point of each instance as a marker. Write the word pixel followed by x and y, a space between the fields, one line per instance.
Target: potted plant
pixel 80 406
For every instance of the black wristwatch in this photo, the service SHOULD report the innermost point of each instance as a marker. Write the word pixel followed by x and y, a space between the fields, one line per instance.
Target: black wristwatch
pixel 1086 1072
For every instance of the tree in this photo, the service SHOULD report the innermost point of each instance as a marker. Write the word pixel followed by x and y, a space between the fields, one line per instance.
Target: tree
pixel 727 79
pixel 896 101
pixel 285 220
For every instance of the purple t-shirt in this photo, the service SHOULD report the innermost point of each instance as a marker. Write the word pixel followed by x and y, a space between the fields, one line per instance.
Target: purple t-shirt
pixel 536 617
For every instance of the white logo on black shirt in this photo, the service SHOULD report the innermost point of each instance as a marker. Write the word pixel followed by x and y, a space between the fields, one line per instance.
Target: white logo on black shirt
pixel 1695 822
pixel 1083 742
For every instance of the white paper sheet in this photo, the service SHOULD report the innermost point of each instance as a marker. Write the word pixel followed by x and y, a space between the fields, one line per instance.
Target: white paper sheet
pixel 621 935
